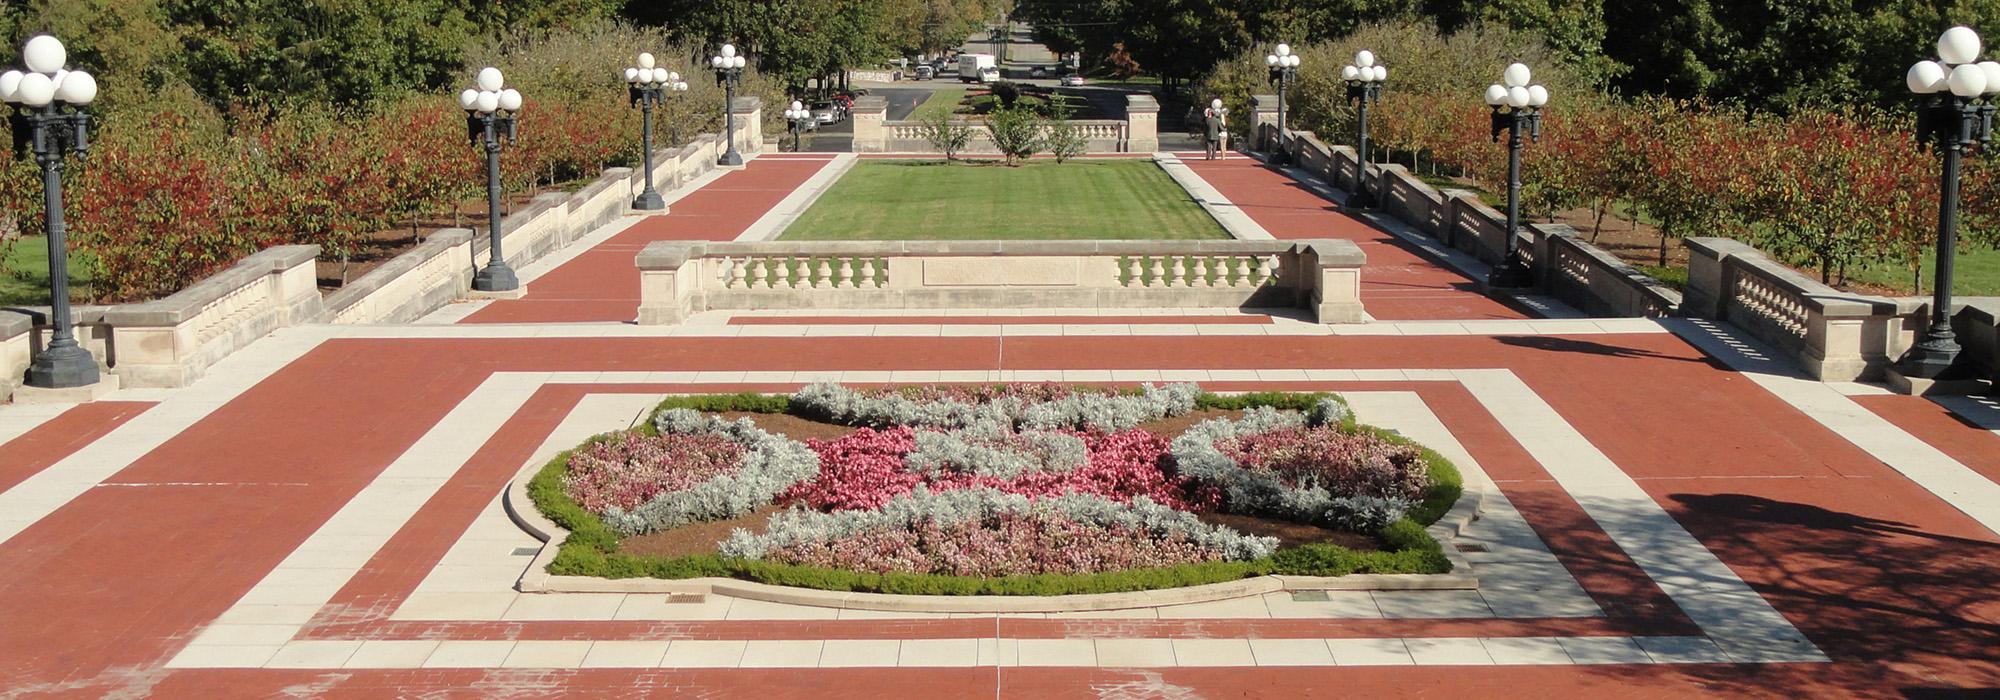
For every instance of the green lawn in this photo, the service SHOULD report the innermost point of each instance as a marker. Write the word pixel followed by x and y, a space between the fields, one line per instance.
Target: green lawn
pixel 941 103
pixel 1078 200
pixel 1975 272
pixel 24 277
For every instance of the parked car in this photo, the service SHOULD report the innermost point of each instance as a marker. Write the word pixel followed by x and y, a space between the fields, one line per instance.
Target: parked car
pixel 1072 80
pixel 925 72
pixel 826 112
pixel 845 103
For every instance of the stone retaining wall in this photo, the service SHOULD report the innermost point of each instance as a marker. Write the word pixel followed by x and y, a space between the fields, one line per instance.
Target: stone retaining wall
pixel 1833 335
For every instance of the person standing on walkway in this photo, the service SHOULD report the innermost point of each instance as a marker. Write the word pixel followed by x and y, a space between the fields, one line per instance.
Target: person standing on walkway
pixel 1218 127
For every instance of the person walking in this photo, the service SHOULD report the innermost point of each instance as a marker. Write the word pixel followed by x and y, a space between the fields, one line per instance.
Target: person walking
pixel 1217 120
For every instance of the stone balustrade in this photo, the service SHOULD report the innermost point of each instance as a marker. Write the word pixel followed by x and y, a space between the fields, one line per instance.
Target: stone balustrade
pixel 1577 273
pixel 1138 132
pixel 171 342
pixel 681 278
pixel 1833 335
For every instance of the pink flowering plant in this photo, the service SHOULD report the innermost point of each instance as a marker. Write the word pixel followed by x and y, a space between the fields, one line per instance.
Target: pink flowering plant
pixel 697 468
pixel 1306 467
pixel 629 468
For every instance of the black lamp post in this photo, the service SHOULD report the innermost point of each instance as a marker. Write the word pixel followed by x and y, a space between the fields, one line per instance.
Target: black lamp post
pixel 49 122
pixel 1517 108
pixel 1364 86
pixel 489 120
pixel 799 117
pixel 1957 115
pixel 649 86
pixel 729 72
pixel 1284 67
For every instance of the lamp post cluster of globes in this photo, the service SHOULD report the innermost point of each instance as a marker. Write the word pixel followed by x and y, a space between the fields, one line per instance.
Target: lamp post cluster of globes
pixel 798 117
pixel 1957 91
pixel 1284 67
pixel 648 85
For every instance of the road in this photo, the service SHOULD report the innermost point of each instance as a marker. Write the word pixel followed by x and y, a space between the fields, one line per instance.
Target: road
pixel 839 138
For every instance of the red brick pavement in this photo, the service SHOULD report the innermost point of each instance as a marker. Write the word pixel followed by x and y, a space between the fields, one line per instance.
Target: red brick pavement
pixel 29 453
pixel 602 284
pixel 1890 581
pixel 1399 283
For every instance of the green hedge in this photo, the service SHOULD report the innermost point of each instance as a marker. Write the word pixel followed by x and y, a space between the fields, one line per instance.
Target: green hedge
pixel 592 547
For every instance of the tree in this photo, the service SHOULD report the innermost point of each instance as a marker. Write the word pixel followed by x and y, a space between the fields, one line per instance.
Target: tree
pixel 1063 140
pixel 947 136
pixel 1016 131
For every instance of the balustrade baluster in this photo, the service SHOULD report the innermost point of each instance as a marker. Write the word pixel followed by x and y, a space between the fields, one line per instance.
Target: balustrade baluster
pixel 1159 264
pixel 1135 273
pixel 1242 273
pixel 868 274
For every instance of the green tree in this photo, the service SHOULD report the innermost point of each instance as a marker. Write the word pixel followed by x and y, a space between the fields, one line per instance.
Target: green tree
pixel 338 51
pixel 1016 131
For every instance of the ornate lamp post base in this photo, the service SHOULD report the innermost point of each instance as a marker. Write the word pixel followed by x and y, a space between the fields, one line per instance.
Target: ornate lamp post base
pixel 64 365
pixel 1930 359
pixel 731 158
pixel 649 200
pixel 495 277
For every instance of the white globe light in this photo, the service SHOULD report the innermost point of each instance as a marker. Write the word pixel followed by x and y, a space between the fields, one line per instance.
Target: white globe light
pixel 9 82
pixel 1518 97
pixel 44 54
pixel 1381 73
pixel 1926 77
pixel 1284 49
pixel 487 102
pixel 468 99
pixel 715 61
pixel 797 105
pixel 1350 73
pixel 1967 81
pixel 1364 58
pixel 1537 95
pixel 1958 45
pixel 36 90
pixel 1496 95
pixel 741 61
pixel 490 79
pixel 645 60
pixel 510 99
pixel 1992 71
pixel 673 76
pixel 1516 76
pixel 58 76
pixel 1215 103
pixel 728 50
pixel 77 88
pixel 1270 59
pixel 680 87
pixel 631 75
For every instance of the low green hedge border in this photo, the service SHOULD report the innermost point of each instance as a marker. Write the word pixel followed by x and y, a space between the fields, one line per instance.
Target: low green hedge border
pixel 592 547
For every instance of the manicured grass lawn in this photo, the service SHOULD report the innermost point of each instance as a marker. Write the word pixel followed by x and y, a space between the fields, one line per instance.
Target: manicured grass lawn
pixel 24 278
pixel 1975 272
pixel 941 103
pixel 1078 200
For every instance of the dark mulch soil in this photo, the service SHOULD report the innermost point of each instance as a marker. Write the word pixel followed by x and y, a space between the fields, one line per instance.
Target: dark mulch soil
pixel 1291 534
pixel 699 538
pixel 788 425
pixel 1171 428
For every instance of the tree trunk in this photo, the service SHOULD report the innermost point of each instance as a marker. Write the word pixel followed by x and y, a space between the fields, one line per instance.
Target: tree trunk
pixel 1917 276
pixel 1663 245
pixel 1597 227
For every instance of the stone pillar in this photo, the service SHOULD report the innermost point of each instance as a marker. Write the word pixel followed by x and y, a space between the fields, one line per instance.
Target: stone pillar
pixel 869 135
pixel 1264 114
pixel 1142 124
pixel 749 110
pixel 1332 268
pixel 667 281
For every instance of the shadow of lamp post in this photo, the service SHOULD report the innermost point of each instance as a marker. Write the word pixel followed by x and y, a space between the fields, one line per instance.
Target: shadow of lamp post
pixel 1517 108
pixel 49 123
pixel 489 120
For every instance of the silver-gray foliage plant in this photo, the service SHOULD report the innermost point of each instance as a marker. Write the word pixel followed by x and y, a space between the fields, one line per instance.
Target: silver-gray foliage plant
pixel 771 464
pixel 995 454
pixel 804 526
pixel 1084 411
pixel 1196 455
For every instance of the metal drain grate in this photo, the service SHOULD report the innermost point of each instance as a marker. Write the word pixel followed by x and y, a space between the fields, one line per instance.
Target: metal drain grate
pixel 527 551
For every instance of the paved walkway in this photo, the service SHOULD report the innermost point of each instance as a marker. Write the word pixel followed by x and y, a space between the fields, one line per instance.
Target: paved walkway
pixel 1673 516
pixel 1399 283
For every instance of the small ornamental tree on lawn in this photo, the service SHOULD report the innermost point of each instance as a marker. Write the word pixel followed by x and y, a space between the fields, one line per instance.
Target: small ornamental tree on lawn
pixel 946 136
pixel 1017 132
pixel 1065 140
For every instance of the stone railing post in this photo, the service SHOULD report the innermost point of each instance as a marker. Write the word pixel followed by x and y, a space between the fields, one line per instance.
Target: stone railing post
pixel 171 342
pixel 1332 270
pixel 1264 116
pixel 1142 124
pixel 869 113
pixel 749 110
pixel 669 282
pixel 1708 282
pixel 16 350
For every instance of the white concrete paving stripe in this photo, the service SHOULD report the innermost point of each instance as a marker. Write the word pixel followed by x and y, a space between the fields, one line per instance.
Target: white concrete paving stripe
pixel 1928 467
pixel 774 222
pixel 17 419
pixel 1706 589
pixel 1536 327
pixel 1226 213
pixel 966 652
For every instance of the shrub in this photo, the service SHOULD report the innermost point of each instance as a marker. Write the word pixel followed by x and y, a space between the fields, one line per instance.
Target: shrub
pixel 946 136
pixel 624 470
pixel 1273 462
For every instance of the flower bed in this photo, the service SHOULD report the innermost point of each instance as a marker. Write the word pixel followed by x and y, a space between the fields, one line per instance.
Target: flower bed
pixel 691 468
pixel 1034 489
